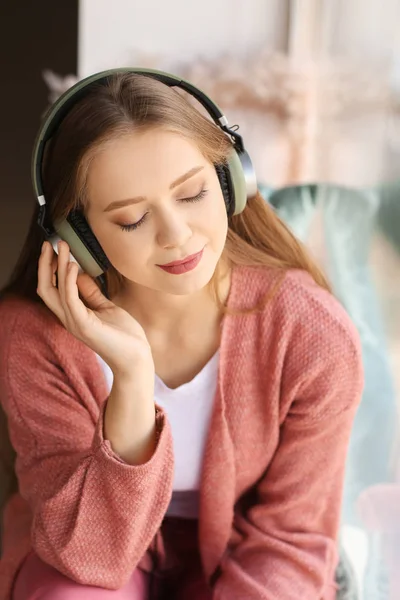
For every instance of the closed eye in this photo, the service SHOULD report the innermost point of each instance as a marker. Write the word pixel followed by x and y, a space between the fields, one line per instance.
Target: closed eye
pixel 133 226
pixel 199 196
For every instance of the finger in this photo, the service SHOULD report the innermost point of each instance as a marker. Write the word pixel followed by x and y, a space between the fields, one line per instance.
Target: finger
pixel 63 261
pixel 54 265
pixel 81 288
pixel 45 288
pixel 92 294
pixel 80 315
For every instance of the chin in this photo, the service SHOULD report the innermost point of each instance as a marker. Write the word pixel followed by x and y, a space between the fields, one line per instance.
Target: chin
pixel 177 285
pixel 183 285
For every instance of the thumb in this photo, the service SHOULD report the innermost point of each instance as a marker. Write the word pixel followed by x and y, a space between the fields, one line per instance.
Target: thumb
pixel 91 293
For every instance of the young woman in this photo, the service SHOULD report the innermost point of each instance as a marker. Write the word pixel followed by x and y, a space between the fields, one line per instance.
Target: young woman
pixel 181 430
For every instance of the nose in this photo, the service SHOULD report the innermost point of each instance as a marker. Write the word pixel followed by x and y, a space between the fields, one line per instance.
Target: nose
pixel 173 230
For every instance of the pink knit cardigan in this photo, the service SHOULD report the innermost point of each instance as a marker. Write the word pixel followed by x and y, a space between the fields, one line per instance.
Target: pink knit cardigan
pixel 290 380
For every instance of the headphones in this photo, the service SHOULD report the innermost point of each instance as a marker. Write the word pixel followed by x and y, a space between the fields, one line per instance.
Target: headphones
pixel 237 177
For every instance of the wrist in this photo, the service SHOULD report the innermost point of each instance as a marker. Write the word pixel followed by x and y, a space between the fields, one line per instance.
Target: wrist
pixel 133 387
pixel 130 418
pixel 138 370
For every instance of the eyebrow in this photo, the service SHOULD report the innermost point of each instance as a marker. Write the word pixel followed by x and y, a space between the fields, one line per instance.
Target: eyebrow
pixel 121 203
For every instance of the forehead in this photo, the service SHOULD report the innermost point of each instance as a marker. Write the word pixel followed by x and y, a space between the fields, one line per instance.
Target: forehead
pixel 140 164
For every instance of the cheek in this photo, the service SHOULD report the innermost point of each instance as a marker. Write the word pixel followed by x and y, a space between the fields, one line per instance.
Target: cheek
pixel 128 259
pixel 213 208
pixel 216 220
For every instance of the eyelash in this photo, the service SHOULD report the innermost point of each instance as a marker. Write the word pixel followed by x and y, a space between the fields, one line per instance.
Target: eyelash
pixel 134 226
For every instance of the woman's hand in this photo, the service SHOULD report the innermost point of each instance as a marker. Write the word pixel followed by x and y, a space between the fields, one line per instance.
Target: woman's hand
pixel 129 420
pixel 108 330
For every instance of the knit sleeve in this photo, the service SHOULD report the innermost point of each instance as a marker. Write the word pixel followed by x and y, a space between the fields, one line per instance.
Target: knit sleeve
pixel 94 516
pixel 288 548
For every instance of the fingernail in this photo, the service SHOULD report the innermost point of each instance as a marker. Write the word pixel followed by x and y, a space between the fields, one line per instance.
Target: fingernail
pixel 43 247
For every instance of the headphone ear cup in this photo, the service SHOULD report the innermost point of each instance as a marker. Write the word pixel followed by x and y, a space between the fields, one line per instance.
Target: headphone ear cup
pixel 238 181
pixel 81 227
pixel 83 244
pixel 243 179
pixel 226 187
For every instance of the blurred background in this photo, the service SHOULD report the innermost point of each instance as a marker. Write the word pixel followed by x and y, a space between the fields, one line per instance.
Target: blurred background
pixel 315 88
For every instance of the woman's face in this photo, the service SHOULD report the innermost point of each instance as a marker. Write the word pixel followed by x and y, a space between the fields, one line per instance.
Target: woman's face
pixel 153 200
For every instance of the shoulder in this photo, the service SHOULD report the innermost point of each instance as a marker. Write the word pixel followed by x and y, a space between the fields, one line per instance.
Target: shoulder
pixel 321 337
pixel 294 304
pixel 32 340
pixel 314 309
pixel 23 323
pixel 48 379
pixel 16 311
pixel 304 329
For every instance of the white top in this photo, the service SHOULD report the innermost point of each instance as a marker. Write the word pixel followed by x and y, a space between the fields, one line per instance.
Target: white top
pixel 189 409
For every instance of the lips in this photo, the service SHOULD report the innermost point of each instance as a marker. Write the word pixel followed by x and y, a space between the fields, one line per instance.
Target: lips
pixel 184 265
pixel 182 261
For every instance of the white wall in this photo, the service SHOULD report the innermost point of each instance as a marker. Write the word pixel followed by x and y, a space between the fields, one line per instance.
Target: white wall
pixel 113 32
pixel 367 29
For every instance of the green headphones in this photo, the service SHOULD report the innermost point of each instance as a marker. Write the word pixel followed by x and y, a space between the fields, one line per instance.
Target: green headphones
pixel 237 177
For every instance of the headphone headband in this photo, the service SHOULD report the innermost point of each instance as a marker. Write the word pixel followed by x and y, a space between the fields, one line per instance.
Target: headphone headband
pixel 61 107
